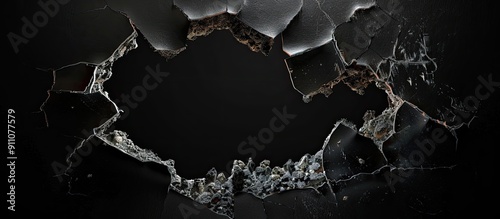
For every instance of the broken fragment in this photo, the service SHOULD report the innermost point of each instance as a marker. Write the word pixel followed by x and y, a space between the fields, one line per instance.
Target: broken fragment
pixel 341 11
pixel 420 142
pixel 315 68
pixel 369 37
pixel 347 154
pixel 301 36
pixel 64 109
pixel 160 22
pixel 269 17
pixel 199 9
pixel 73 78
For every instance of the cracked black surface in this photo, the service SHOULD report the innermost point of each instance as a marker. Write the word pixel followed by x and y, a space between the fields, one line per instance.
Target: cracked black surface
pixel 425 155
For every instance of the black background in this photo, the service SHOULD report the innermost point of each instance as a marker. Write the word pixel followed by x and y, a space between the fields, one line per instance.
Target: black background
pixel 217 94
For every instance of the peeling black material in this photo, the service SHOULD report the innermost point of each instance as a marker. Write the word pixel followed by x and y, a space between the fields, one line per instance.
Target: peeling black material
pixel 73 78
pixel 404 162
pixel 419 141
pixel 369 37
pixel 300 35
pixel 346 154
pixel 269 17
pixel 315 68
pixel 70 112
pixel 199 9
pixel 162 24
